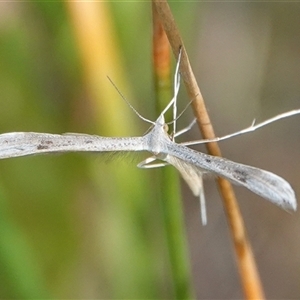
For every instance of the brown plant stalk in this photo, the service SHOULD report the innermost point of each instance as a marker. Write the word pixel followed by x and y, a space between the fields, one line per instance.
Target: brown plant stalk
pixel 247 267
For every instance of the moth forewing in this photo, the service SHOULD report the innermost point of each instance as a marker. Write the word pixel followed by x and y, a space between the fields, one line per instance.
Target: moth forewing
pixel 267 185
pixel 31 143
pixel 264 183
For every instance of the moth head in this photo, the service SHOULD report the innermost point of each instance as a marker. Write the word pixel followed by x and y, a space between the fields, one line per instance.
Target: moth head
pixel 166 127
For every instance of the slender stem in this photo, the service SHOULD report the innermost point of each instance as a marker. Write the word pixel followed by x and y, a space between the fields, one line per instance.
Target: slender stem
pixel 247 267
pixel 169 195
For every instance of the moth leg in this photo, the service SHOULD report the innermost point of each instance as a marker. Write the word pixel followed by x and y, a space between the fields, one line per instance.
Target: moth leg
pixel 147 163
pixel 185 129
pixel 202 201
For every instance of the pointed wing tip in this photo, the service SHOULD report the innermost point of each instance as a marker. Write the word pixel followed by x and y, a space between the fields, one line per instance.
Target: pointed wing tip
pixel 293 205
pixel 290 203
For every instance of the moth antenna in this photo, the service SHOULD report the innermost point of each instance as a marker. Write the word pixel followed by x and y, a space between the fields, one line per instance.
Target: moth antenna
pixel 129 104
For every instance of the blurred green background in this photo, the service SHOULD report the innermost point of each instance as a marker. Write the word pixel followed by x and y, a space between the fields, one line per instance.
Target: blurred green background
pixel 88 226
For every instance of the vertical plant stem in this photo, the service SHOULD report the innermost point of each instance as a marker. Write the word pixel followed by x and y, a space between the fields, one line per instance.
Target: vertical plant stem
pixel 246 263
pixel 170 195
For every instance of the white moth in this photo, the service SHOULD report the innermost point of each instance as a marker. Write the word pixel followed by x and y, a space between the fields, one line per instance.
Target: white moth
pixel 190 163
